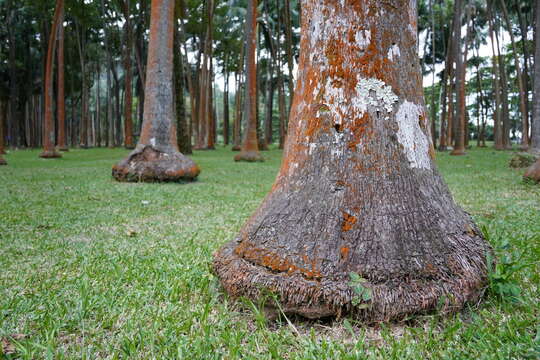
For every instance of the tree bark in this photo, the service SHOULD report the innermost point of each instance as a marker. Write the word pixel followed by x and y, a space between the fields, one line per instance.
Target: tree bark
pixel 156 157
pixel 61 97
pixel 522 89
pixel 535 133
pixel 226 119
pixel 2 137
pixel 358 191
pixel 461 60
pixel 128 97
pixel 49 150
pixel 250 144
pixel 496 79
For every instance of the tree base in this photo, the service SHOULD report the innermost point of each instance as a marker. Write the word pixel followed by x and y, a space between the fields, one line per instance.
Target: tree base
pixel 3 161
pixel 533 173
pixel 249 156
pixel 523 147
pixel 148 164
pixel 458 152
pixel 394 299
pixel 63 149
pixel 236 148
pixel 130 147
pixel 50 154
pixel 3 152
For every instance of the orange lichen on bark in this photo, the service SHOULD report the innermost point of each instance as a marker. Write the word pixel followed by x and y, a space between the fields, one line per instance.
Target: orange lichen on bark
pixel 344 252
pixel 274 262
pixel 348 221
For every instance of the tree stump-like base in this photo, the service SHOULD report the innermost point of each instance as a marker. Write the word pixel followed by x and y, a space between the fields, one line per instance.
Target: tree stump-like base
pixel 147 164
pixel 458 152
pixel 50 154
pixel 249 156
pixel 318 298
pixel 533 173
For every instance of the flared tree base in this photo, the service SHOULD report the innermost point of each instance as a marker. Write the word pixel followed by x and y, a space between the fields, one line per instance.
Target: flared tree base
pixel 458 152
pixel 148 164
pixel 249 156
pixel 50 154
pixel 394 299
pixel 533 173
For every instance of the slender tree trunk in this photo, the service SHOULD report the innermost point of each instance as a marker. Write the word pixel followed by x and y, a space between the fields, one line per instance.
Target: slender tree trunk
pixel 505 112
pixel 156 157
pixel 2 126
pixel 250 144
pixel 226 119
pixel 496 79
pixel 61 97
pixel 128 97
pixel 182 130
pixel 49 150
pixel 289 48
pixel 535 134
pixel 98 105
pixel 461 61
pixel 358 222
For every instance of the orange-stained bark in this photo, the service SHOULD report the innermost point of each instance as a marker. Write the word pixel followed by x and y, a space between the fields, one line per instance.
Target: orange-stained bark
pixel 358 190
pixel 61 101
pixel 156 157
pixel 49 150
pixel 250 145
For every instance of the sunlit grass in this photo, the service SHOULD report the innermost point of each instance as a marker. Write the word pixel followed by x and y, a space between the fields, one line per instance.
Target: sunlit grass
pixel 91 268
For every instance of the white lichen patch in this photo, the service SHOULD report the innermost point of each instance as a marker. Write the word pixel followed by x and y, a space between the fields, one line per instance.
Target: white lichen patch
pixel 375 93
pixel 393 52
pixel 415 143
pixel 363 38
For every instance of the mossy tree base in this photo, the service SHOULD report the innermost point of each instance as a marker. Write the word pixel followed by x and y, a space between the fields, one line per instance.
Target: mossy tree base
pixel 533 173
pixel 148 164
pixel 249 156
pixel 50 154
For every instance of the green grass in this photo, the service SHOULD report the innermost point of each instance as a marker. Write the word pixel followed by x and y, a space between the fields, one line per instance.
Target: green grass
pixel 91 268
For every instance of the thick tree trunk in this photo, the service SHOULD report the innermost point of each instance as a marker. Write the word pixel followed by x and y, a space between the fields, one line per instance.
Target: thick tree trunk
pixel 289 48
pixel 358 191
pixel 156 157
pixel 61 97
pixel 250 144
pixel 49 150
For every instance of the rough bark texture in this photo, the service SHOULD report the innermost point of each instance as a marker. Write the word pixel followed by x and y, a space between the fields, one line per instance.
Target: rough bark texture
pixel 358 191
pixel 156 157
pixel 250 145
pixel 49 150
pixel 461 61
pixel 533 173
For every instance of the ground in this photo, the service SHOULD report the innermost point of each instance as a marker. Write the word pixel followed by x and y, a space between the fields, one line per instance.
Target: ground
pixel 91 268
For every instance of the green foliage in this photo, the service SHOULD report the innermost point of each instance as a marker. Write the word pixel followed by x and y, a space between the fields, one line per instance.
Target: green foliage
pixel 363 293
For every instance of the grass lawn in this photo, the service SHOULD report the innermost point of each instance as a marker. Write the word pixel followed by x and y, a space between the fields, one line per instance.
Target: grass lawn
pixel 91 268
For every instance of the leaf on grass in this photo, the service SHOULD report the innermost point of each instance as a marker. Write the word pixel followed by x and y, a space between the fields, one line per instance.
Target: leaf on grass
pixel 7 346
